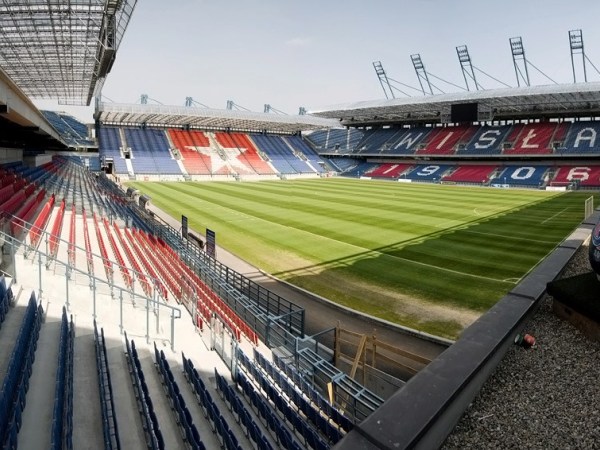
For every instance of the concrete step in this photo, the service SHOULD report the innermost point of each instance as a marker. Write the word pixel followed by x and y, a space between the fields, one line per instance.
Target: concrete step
pixel 131 431
pixel 87 413
pixel 36 427
pixel 162 408
pixel 10 330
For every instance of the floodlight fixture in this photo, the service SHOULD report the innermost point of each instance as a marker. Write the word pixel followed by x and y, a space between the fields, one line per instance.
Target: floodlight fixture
pixel 577 48
pixel 466 67
pixel 383 79
pixel 519 60
pixel 421 73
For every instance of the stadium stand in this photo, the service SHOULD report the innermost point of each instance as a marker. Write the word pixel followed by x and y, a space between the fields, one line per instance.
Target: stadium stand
pixel 476 174
pixel 150 152
pixel 443 141
pixel 587 176
pixel 190 145
pixel 535 138
pixel 582 139
pixel 529 176
pixel 486 141
pixel 334 140
pixel 110 148
pixel 388 170
pixel 428 172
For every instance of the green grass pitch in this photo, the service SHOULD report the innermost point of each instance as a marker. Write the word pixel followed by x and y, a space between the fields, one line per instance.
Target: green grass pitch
pixel 432 257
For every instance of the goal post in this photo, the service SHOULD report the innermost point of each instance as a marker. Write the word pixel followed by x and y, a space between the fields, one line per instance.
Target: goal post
pixel 589 207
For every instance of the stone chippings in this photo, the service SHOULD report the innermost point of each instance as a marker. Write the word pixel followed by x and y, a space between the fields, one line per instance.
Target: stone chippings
pixel 546 397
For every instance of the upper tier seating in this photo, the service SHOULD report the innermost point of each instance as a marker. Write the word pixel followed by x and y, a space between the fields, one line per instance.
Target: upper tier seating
pixel 582 138
pixel 375 140
pixel 335 140
pixel 443 141
pixel 534 138
pixel 487 141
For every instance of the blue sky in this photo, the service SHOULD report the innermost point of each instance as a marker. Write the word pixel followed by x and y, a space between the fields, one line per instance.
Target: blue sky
pixel 319 53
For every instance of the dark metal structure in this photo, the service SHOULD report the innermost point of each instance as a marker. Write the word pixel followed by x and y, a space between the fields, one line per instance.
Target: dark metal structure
pixel 466 67
pixel 519 60
pixel 61 49
pixel 383 79
pixel 422 75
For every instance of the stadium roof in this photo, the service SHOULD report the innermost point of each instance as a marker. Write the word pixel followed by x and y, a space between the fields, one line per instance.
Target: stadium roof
pixel 564 100
pixel 205 118
pixel 61 49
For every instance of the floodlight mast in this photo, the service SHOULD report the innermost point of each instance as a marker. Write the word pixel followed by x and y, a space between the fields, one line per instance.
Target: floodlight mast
pixel 268 108
pixel 577 48
pixel 189 102
pixel 383 79
pixel 144 99
pixel 233 105
pixel 301 111
pixel 467 67
pixel 518 55
pixel 421 72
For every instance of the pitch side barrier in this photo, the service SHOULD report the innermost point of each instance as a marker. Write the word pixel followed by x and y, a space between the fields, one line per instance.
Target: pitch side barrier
pixel 255 304
pixel 278 322
pixel 427 408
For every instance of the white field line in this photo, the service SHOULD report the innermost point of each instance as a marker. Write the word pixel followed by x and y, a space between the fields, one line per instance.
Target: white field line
pixel 557 214
pixel 509 237
pixel 376 252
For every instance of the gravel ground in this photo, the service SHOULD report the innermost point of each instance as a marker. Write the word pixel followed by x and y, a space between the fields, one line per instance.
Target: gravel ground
pixel 546 397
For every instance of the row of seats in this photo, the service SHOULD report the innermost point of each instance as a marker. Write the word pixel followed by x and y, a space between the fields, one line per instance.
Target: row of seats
pixel 188 430
pixel 54 240
pixel 222 153
pixel 154 437
pixel 6 297
pixel 24 214
pixel 231 398
pixel 110 428
pixel 265 411
pixel 16 379
pixel 39 225
pixel 290 406
pixel 542 138
pixel 107 262
pixel 586 175
pixel 289 379
pixel 217 422
pixel 61 437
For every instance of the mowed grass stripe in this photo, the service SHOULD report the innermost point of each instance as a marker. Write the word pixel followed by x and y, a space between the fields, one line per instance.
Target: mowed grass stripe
pixel 382 234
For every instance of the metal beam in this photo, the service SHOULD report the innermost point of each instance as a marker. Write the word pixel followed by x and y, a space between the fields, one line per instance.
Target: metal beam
pixel 577 48
pixel 383 79
pixel 467 67
pixel 421 73
pixel 519 60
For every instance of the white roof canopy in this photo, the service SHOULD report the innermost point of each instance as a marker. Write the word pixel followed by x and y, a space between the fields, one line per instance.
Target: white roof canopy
pixel 205 118
pixel 564 100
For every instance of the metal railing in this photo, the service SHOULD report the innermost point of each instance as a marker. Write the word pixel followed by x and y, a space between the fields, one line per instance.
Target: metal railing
pixel 44 260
